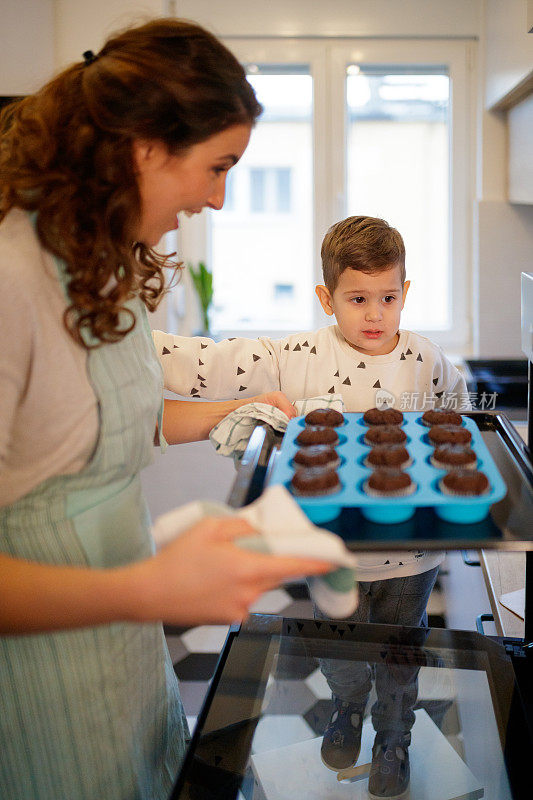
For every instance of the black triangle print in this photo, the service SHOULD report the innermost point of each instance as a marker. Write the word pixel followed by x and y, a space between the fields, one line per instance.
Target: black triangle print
pixel 347 382
pixel 332 390
pixel 240 371
pixel 402 357
pixel 200 363
pixel 305 344
pixel 200 377
pixel 256 358
pixel 419 358
pixel 300 626
pixel 336 374
pixel 287 347
pixel 387 561
pixel 400 563
pixel 296 348
pixel 165 351
pixel 203 386
pixel 194 391
pixel 218 446
pixel 175 346
pixel 408 352
pixel 242 388
pixel 377 385
pixel 439 394
pixel 313 350
pixel 435 381
pixel 203 346
pixel 361 365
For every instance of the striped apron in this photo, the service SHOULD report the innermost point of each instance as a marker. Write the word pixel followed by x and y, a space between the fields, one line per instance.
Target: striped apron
pixel 93 713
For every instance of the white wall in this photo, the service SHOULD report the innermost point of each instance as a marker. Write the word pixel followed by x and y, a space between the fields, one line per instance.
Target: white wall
pixel 509 47
pixel 335 17
pixel 85 24
pixel 26 45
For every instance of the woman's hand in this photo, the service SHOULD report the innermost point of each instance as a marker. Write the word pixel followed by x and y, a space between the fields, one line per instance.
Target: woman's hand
pixel 276 399
pixel 203 576
pixel 192 421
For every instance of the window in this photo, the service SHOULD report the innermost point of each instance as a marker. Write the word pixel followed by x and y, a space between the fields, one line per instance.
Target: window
pixel 264 236
pixel 270 189
pixel 397 168
pixel 363 126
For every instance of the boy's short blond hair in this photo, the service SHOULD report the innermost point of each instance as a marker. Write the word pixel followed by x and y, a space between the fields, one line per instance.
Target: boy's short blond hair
pixel 368 244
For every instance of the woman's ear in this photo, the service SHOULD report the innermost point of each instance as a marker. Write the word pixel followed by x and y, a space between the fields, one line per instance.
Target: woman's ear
pixel 322 292
pixel 148 154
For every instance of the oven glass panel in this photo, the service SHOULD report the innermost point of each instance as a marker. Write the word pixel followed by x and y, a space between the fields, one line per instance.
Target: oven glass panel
pixel 436 699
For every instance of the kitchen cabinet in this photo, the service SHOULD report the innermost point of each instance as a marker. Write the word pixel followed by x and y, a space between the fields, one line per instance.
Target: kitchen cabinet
pixel 518 105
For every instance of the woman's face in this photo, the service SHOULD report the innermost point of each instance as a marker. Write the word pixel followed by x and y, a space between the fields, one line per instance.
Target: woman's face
pixel 188 182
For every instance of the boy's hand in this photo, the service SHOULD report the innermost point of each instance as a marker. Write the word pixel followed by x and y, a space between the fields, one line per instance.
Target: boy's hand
pixel 276 399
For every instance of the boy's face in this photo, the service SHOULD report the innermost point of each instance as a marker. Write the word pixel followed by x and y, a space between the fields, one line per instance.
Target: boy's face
pixel 367 308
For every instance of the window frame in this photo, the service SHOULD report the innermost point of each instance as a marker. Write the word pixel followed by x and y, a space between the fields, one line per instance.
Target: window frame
pixel 327 59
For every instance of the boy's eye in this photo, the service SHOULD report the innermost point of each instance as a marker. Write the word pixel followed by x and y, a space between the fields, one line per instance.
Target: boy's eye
pixel 358 300
pixel 389 298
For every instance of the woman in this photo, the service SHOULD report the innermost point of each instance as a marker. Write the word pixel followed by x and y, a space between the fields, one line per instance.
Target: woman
pixel 93 170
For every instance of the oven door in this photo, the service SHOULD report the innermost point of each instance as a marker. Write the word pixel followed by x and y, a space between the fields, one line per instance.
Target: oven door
pixel 260 733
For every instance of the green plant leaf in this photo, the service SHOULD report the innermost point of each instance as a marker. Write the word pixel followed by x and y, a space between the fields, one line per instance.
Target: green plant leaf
pixel 202 279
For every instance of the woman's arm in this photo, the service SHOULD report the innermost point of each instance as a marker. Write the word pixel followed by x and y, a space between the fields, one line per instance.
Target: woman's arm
pixel 191 421
pixel 200 577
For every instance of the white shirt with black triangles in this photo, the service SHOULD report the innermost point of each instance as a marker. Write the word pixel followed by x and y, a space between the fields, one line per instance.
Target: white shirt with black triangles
pixel 416 374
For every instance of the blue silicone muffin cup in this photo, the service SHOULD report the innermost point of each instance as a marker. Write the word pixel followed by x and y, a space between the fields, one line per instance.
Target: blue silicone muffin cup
pixel 353 474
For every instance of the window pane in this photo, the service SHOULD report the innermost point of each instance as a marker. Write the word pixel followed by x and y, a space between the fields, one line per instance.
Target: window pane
pixel 261 244
pixel 398 168
pixel 257 190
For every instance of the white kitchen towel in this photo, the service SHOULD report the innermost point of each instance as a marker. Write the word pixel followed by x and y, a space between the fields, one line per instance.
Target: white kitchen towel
pixel 281 528
pixel 231 435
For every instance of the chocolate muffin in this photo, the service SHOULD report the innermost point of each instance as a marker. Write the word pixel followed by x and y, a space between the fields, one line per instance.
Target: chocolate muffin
pixel 325 416
pixel 449 434
pixel 465 482
pixel 451 456
pixel 315 482
pixel 317 456
pixel 385 434
pixel 389 482
pixel 441 416
pixel 393 455
pixel 317 435
pixel 383 416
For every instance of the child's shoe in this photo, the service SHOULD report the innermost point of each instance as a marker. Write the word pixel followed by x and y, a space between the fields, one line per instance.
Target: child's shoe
pixel 389 773
pixel 342 738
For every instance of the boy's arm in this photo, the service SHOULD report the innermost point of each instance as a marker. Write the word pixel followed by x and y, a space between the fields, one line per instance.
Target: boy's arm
pixel 231 369
pixel 452 388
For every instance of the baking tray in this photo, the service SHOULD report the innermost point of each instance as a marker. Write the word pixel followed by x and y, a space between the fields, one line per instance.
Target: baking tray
pixel 508 526
pixel 353 474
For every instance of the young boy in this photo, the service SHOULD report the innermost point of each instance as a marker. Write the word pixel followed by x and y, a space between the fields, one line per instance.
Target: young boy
pixel 369 360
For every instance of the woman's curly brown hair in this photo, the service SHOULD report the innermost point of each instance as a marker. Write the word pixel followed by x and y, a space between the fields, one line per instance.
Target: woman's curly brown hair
pixel 66 153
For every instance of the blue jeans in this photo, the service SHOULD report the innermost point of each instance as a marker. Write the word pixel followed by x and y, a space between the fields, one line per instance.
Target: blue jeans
pixel 396 601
